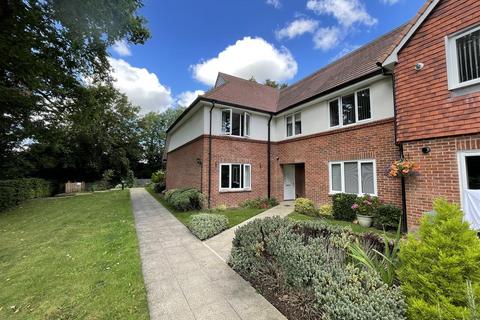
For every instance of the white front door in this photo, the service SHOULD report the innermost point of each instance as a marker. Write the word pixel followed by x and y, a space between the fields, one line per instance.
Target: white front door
pixel 289 182
pixel 470 186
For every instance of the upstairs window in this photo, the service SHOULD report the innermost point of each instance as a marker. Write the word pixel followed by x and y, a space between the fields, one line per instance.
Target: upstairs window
pixel 235 176
pixel 463 58
pixel 293 124
pixel 350 109
pixel 235 123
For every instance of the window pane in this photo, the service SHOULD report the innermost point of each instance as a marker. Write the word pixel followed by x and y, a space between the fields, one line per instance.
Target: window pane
pixel 225 176
pixel 336 177
pixel 473 172
pixel 236 124
pixel 468 56
pixel 334 121
pixel 247 124
pixel 363 100
pixel 289 126
pixel 298 124
pixel 236 177
pixel 247 177
pixel 226 121
pixel 348 109
pixel 351 177
pixel 367 178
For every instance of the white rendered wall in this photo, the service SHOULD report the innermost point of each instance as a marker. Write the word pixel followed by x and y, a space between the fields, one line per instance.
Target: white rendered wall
pixel 191 128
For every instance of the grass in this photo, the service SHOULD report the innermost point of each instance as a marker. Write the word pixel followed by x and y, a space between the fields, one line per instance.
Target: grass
pixel 71 258
pixel 355 227
pixel 235 215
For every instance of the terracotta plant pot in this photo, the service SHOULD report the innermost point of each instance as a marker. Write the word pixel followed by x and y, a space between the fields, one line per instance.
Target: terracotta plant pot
pixel 365 221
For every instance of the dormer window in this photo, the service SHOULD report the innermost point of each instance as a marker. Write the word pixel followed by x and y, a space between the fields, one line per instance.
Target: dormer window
pixel 463 58
pixel 235 123
pixel 293 124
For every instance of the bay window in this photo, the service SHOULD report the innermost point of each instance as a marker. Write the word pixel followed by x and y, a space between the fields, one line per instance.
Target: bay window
pixel 235 123
pixel 357 177
pixel 350 108
pixel 235 176
pixel 293 124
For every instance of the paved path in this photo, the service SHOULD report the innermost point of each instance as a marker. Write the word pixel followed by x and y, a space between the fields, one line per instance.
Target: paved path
pixel 222 243
pixel 184 278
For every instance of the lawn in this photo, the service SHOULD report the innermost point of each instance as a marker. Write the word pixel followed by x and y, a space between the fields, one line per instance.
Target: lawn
pixel 71 258
pixel 235 215
pixel 355 227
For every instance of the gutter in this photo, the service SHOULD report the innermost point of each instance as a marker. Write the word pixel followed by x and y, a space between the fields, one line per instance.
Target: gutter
pixel 404 226
pixel 210 156
pixel 269 151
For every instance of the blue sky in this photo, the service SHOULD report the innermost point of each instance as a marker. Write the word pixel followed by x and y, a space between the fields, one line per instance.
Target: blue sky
pixel 284 40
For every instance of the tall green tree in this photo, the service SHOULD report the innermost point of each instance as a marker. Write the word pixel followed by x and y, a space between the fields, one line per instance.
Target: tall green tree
pixel 47 51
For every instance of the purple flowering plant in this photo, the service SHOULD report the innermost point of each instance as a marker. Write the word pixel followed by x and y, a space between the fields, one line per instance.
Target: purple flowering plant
pixel 367 205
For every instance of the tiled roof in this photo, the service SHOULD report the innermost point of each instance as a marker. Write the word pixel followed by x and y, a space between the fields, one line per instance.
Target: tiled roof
pixel 357 64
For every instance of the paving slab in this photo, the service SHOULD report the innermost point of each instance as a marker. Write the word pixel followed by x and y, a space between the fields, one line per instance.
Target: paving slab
pixel 184 278
pixel 222 243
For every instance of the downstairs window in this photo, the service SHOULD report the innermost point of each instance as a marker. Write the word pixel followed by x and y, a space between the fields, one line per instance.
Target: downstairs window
pixel 357 177
pixel 234 176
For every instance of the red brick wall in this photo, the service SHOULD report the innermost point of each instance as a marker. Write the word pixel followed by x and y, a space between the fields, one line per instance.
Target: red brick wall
pixel 182 167
pixel 439 172
pixel 368 141
pixel 425 106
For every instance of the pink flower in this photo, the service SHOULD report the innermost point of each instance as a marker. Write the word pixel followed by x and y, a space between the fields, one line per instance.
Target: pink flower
pixel 366 202
pixel 355 206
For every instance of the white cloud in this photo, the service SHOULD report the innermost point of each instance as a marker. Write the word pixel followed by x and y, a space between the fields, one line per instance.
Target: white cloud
pixel 275 3
pixel 327 38
pixel 121 47
pixel 141 86
pixel 185 98
pixel 389 1
pixel 297 28
pixel 346 12
pixel 246 58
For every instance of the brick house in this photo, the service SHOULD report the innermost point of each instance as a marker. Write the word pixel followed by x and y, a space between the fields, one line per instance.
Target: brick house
pixel 340 128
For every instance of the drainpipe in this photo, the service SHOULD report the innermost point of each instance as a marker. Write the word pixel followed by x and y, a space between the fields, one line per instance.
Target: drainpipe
pixel 210 156
pixel 404 226
pixel 269 151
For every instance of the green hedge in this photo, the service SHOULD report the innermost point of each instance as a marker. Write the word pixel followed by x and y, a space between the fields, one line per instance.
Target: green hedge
pixel 15 191
pixel 342 206
pixel 207 225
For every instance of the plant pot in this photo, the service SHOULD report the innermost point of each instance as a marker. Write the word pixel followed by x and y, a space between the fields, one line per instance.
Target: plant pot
pixel 365 221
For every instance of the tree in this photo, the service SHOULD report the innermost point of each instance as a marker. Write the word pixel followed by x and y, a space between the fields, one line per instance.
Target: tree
pixel 275 84
pixel 153 128
pixel 48 49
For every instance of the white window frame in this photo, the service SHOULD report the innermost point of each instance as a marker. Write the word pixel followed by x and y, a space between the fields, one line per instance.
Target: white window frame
pixel 340 109
pixel 243 130
pixel 292 115
pixel 452 60
pixel 462 171
pixel 230 189
pixel 359 168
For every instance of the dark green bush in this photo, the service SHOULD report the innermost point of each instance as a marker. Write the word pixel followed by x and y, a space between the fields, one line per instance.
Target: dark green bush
pixel 158 176
pixel 15 191
pixel 310 259
pixel 159 187
pixel 206 225
pixel 437 263
pixel 185 199
pixel 387 217
pixel 306 207
pixel 259 203
pixel 342 206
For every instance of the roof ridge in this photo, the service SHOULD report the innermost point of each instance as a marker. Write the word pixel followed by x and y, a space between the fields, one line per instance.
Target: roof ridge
pixel 367 45
pixel 250 81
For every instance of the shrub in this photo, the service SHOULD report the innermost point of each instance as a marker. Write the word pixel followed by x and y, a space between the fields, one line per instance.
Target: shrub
pixel 169 194
pixel 185 199
pixel 326 210
pixel 15 191
pixel 387 217
pixel 366 205
pixel 342 206
pixel 306 207
pixel 158 176
pixel 220 208
pixel 206 225
pixel 159 187
pixel 129 179
pixel 436 264
pixel 259 203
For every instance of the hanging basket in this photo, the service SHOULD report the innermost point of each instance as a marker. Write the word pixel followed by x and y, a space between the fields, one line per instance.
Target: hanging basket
pixel 403 168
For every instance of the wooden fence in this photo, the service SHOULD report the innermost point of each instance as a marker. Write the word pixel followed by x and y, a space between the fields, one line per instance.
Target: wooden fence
pixel 71 187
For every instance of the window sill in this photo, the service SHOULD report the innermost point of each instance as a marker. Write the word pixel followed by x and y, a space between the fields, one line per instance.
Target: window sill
pixel 234 190
pixel 331 194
